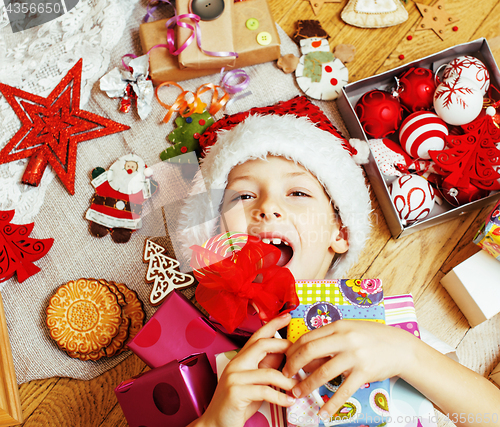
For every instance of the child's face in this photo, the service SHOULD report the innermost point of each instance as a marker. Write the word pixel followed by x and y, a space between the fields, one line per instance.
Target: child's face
pixel 282 203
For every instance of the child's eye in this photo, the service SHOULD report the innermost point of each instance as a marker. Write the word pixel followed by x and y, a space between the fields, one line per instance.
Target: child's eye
pixel 242 197
pixel 299 194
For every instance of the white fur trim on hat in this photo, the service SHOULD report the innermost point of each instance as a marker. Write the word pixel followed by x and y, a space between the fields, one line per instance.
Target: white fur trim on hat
pixel 297 139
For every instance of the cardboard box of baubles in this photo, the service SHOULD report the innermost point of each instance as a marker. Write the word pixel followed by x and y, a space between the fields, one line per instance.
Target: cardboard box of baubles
pixel 432 127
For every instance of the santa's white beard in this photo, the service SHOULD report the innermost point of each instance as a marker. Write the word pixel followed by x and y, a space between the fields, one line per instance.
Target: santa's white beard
pixel 124 182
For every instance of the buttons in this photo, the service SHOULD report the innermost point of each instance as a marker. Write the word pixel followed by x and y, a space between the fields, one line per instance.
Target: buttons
pixel 252 24
pixel 207 10
pixel 189 120
pixel 264 38
pixel 120 205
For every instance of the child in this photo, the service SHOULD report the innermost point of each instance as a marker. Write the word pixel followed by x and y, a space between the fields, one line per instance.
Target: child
pixel 298 187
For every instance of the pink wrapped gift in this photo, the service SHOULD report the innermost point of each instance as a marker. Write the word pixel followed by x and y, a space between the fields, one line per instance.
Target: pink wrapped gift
pixel 177 330
pixel 172 395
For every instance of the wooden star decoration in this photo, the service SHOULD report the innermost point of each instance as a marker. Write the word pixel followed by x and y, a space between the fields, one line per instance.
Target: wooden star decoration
pixel 434 18
pixel 318 4
pixel 51 128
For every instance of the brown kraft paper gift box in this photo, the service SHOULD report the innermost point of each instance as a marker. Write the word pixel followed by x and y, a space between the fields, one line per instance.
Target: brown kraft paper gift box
pixel 216 36
pixel 165 67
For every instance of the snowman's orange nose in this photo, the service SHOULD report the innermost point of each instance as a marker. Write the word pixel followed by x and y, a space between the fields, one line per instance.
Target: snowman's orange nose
pixel 316 44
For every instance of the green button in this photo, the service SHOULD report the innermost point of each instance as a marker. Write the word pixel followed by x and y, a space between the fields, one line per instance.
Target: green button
pixel 252 24
pixel 264 38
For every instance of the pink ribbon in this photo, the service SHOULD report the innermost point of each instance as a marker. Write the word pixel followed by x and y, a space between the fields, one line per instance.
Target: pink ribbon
pixel 195 33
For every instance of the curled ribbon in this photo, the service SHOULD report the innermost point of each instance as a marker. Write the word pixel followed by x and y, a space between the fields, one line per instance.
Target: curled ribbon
pixel 195 32
pixel 194 104
pixel 249 276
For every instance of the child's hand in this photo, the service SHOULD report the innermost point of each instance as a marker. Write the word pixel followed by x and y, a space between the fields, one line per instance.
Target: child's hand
pixel 246 381
pixel 362 351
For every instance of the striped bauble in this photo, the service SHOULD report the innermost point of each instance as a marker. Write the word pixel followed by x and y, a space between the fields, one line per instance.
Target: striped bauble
pixel 422 131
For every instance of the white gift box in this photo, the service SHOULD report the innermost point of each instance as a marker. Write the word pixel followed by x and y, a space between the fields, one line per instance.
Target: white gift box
pixel 474 285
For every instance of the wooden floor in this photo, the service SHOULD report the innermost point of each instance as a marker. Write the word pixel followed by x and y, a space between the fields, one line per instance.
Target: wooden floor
pixel 412 264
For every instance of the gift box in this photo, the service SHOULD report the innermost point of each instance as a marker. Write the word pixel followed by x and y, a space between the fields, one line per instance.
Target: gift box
pixel 488 237
pixel 165 67
pixel 192 57
pixel 474 285
pixel 245 330
pixel 268 414
pixel 177 330
pixel 323 302
pixel 352 92
pixel 173 395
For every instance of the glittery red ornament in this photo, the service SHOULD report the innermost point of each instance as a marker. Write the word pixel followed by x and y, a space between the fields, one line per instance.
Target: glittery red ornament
pixel 416 90
pixel 18 250
pixel 461 196
pixel 379 113
pixel 51 128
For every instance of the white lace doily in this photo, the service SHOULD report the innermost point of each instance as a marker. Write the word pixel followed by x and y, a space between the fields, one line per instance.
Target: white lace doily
pixel 35 60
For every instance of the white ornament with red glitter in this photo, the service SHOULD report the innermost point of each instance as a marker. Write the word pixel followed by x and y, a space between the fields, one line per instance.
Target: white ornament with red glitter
pixel 458 100
pixel 471 68
pixel 319 74
pixel 413 197
pixel 422 131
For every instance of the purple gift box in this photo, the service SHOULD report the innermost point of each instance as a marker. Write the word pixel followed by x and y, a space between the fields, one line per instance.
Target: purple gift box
pixel 172 395
pixel 177 330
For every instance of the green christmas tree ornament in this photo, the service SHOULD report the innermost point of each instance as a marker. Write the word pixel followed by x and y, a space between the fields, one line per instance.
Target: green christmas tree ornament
pixel 185 137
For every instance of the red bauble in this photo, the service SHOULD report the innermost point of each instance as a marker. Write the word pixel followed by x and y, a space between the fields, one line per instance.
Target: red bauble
pixel 461 196
pixel 416 89
pixel 379 113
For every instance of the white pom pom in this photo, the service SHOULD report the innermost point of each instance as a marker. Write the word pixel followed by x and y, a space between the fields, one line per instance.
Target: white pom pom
pixel 148 172
pixel 490 111
pixel 363 151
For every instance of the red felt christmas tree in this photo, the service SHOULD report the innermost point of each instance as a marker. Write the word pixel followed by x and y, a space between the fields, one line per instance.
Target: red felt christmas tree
pixel 18 250
pixel 470 158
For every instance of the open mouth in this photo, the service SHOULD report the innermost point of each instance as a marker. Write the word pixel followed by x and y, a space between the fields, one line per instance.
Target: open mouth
pixel 284 247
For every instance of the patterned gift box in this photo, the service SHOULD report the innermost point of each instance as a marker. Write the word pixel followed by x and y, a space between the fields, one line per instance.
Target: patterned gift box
pixel 341 299
pixel 323 302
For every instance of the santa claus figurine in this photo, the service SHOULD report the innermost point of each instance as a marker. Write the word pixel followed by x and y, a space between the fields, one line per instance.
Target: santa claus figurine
pixel 120 192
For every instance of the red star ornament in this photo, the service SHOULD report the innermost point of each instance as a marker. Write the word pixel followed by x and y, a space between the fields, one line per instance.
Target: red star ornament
pixel 51 128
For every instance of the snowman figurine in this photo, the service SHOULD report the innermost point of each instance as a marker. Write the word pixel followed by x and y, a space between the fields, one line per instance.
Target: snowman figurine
pixel 319 73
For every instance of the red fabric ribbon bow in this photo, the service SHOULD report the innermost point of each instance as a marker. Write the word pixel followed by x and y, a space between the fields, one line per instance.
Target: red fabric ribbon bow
pixel 249 276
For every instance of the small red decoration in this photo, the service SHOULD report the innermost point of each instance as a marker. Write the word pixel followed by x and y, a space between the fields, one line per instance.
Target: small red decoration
pixel 18 250
pixel 249 276
pixel 455 28
pixel 51 128
pixel 410 37
pixel 471 158
pixel 401 57
pixel 379 113
pixel 461 196
pixel 416 90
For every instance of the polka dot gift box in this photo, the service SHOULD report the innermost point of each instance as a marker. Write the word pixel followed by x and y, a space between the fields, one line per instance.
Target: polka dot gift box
pixel 177 330
pixel 173 395
pixel 321 303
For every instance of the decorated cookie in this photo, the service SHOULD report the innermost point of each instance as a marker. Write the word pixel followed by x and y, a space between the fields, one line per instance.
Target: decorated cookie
pixel 83 316
pixel 373 13
pixel 116 206
pixel 120 324
pixel 319 73
pixel 163 273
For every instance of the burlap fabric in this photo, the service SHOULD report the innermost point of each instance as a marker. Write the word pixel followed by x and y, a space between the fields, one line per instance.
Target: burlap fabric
pixel 75 252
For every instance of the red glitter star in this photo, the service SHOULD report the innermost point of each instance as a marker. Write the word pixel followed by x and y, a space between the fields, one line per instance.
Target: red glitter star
pixel 51 128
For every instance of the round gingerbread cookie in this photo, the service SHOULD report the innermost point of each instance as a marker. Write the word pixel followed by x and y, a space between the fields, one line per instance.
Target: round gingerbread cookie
pixel 133 309
pixel 83 316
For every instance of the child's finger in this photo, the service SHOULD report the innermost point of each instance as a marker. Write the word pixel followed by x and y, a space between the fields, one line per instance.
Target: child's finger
pixel 311 350
pixel 262 377
pixel 258 393
pixel 345 391
pixel 329 370
pixel 251 356
pixel 270 328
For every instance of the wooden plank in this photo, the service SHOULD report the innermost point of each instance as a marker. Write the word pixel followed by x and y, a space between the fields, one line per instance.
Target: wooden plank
pixel 85 403
pixel 10 402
